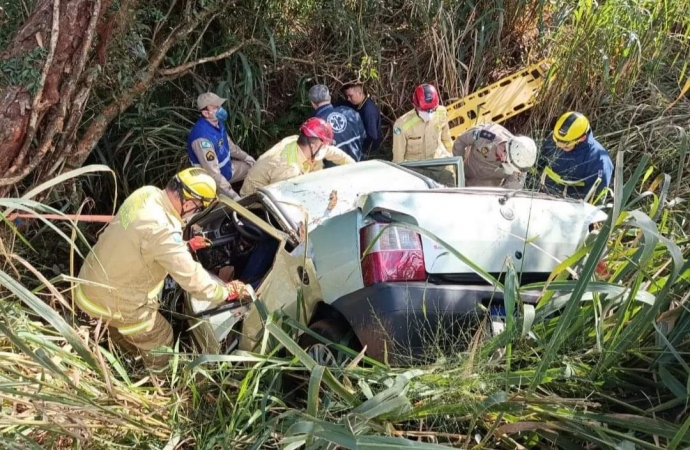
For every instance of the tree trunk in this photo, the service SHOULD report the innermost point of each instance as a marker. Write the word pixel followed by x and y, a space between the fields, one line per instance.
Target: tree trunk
pixel 67 41
pixel 62 31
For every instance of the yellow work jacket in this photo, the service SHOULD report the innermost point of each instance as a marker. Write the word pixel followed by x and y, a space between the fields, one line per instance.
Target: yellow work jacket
pixel 284 161
pixel 414 139
pixel 137 250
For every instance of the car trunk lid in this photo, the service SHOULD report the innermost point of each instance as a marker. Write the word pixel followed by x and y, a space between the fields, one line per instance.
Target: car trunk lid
pixel 488 226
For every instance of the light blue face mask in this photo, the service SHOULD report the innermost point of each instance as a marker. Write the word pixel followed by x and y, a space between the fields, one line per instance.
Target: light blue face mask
pixel 221 114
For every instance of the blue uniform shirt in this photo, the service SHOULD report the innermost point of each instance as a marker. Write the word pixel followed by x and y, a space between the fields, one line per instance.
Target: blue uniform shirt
pixel 348 129
pixel 588 161
pixel 203 129
pixel 371 117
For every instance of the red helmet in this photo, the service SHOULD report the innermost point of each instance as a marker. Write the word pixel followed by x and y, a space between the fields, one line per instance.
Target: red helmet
pixel 425 97
pixel 318 128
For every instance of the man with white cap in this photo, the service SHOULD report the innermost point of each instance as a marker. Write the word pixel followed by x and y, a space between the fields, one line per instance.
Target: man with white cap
pixel 493 156
pixel 209 146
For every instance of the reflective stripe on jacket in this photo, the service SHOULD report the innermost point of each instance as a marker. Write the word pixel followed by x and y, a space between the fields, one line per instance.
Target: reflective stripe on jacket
pixel 94 310
pixel 414 139
pixel 284 161
pixel 218 138
pixel 585 163
pixel 137 250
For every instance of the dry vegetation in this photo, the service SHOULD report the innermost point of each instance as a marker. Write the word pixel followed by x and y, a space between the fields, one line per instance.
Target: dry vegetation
pixel 610 371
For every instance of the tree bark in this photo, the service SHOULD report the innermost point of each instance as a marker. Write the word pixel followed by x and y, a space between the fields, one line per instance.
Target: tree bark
pixel 29 123
pixel 40 132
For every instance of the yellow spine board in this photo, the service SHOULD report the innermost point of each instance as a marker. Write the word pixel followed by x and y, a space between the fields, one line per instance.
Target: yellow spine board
pixel 499 101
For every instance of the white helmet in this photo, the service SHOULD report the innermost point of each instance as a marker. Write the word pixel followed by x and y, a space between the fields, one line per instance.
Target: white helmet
pixel 521 152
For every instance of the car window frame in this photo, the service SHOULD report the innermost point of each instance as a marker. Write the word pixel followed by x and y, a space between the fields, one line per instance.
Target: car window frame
pixel 253 218
pixel 266 199
pixel 457 161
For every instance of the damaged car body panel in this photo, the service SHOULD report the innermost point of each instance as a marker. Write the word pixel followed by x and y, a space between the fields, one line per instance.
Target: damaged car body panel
pixel 289 287
pixel 536 231
pixel 343 252
pixel 329 193
pixel 277 288
pixel 400 320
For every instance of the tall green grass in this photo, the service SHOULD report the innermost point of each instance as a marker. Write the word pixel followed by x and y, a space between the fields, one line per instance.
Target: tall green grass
pixel 602 360
pixel 610 369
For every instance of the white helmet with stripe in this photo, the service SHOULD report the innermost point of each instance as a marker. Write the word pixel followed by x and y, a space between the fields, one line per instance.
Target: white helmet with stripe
pixel 521 153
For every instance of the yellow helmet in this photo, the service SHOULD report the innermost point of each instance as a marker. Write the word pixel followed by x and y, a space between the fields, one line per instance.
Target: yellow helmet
pixel 196 183
pixel 570 128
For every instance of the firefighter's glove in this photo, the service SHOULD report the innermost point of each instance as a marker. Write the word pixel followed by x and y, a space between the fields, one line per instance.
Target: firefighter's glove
pixel 236 291
pixel 198 243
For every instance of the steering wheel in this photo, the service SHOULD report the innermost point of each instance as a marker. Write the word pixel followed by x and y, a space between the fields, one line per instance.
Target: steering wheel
pixel 247 231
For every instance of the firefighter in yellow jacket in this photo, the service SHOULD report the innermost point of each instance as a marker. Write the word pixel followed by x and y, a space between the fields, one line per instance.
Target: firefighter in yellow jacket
pixel 295 155
pixel 125 272
pixel 422 133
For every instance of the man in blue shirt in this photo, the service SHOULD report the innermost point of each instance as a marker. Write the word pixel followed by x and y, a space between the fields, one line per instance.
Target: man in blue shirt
pixel 370 114
pixel 573 154
pixel 209 146
pixel 348 129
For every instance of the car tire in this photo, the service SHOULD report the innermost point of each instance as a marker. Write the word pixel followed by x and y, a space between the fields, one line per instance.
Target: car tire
pixel 294 384
pixel 332 330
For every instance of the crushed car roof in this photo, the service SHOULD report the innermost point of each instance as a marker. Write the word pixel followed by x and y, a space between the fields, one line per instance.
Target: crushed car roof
pixel 339 189
pixel 336 190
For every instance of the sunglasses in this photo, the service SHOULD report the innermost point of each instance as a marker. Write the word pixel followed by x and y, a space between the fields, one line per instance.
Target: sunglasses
pixel 189 195
pixel 568 144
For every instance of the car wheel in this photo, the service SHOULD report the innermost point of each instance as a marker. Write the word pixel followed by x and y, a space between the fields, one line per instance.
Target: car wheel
pixel 334 331
pixel 294 384
pixel 322 355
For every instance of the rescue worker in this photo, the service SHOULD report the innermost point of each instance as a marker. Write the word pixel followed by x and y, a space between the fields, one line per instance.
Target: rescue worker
pixel 125 272
pixel 572 155
pixel 493 156
pixel 296 155
pixel 210 147
pixel 422 133
pixel 348 129
pixel 370 114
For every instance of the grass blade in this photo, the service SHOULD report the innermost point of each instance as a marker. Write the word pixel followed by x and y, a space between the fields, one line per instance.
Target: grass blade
pixel 48 314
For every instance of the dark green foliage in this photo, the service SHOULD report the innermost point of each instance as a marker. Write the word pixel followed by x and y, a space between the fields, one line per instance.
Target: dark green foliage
pixel 12 14
pixel 23 70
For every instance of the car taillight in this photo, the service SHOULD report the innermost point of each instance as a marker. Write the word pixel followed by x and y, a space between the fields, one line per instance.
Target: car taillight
pixel 395 256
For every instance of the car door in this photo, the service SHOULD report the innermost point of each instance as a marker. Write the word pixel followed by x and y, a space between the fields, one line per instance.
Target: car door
pixel 446 171
pixel 290 285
